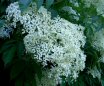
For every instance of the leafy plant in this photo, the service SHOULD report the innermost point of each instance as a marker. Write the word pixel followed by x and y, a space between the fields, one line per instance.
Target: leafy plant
pixel 22 67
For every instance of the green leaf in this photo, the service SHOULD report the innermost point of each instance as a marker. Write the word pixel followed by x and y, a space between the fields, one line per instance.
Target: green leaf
pixel 2 1
pixel 63 83
pixel 54 13
pixel 20 49
pixel 24 4
pixel 8 55
pixel 102 79
pixel 7 45
pixel 49 3
pixel 19 82
pixel 33 83
pixel 69 80
pixel 27 84
pixel 39 3
pixel 17 69
pixel 4 48
pixel 2 22
pixel 102 82
pixel 58 5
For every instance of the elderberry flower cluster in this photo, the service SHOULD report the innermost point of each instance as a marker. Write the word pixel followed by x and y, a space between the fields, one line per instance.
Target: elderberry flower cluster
pixel 13 13
pixel 5 31
pixel 56 43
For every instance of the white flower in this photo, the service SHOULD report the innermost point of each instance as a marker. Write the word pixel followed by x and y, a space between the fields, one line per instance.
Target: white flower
pixel 13 13
pixel 57 41
pixel 54 40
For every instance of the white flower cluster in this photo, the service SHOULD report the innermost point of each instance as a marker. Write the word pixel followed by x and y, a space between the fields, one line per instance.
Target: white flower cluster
pixel 99 4
pixel 55 41
pixel 5 31
pixel 13 13
pixel 98 43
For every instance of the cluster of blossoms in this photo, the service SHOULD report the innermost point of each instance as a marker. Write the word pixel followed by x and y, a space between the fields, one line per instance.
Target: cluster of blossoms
pixel 13 12
pixel 5 31
pixel 53 42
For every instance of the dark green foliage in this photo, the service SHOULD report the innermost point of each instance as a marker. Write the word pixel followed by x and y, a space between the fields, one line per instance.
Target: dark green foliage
pixel 23 68
pixel 24 4
pixel 8 55
pixel 49 3
pixel 39 3
pixel 23 71
pixel 84 79
pixel 54 13
pixel 63 81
